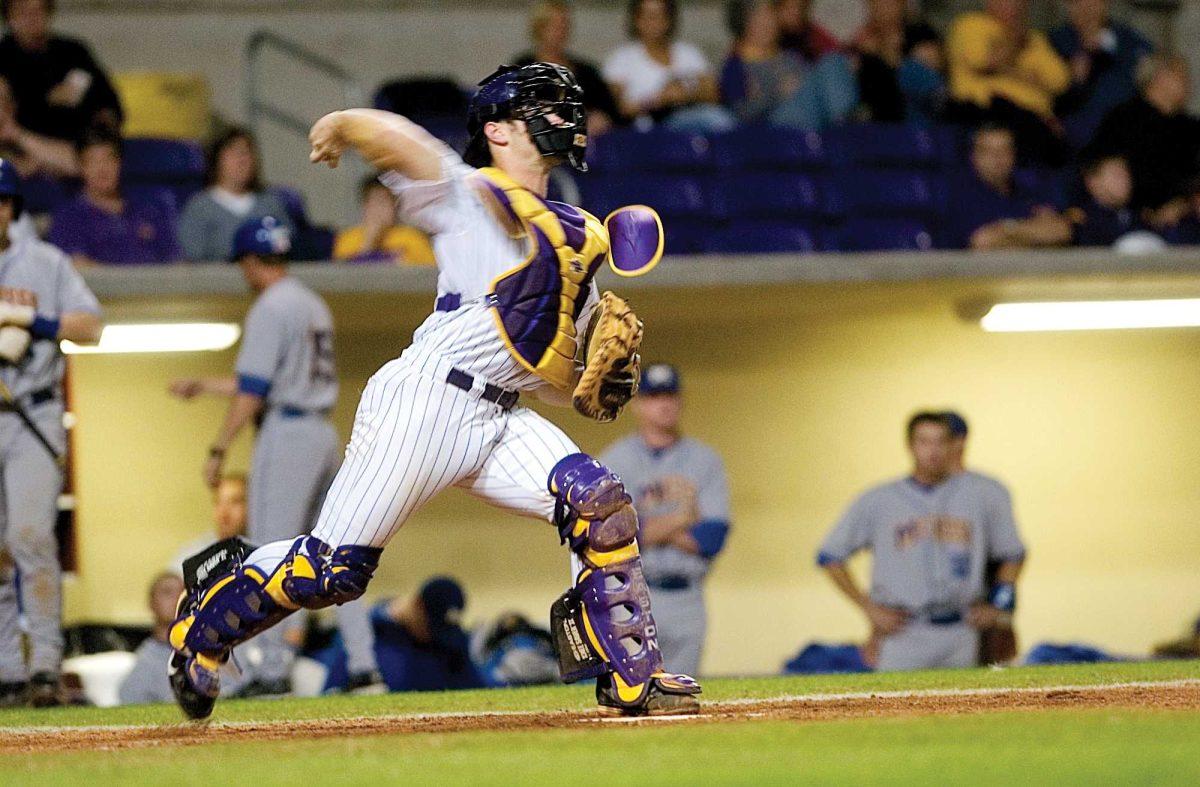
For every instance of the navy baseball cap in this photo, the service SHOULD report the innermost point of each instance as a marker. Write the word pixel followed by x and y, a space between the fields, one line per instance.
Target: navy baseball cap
pixel 443 599
pixel 659 378
pixel 957 424
pixel 264 236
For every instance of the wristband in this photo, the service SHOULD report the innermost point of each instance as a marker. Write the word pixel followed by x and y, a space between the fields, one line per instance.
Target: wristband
pixel 45 327
pixel 1003 596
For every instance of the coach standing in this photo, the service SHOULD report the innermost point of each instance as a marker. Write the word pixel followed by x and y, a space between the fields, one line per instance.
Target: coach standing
pixel 931 534
pixel 42 300
pixel 682 498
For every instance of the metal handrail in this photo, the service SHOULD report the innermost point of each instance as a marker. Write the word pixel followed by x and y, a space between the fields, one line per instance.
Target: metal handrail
pixel 259 109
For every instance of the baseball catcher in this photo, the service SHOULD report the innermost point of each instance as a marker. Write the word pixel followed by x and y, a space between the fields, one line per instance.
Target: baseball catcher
pixel 517 313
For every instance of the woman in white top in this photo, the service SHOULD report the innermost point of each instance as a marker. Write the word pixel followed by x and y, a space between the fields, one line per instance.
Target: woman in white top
pixel 235 193
pixel 656 78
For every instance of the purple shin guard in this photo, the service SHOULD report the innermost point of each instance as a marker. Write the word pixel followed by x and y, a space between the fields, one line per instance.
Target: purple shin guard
pixel 617 602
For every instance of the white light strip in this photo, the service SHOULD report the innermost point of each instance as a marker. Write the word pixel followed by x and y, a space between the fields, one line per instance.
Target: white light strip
pixel 1092 315
pixel 160 338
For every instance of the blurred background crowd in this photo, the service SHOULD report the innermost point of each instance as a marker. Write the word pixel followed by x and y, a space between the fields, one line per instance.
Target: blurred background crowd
pixel 982 133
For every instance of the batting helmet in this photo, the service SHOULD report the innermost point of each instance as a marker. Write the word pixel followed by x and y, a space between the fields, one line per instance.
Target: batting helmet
pixel 264 236
pixel 10 186
pixel 531 93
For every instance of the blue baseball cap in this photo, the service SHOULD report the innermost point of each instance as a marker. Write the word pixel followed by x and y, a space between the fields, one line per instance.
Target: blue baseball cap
pixel 659 378
pixel 444 599
pixel 264 236
pixel 957 424
pixel 10 185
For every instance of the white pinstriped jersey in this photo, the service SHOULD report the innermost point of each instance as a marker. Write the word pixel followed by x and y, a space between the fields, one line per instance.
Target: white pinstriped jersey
pixel 472 249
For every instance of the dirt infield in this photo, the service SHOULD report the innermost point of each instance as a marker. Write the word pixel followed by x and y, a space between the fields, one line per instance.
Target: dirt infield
pixel 1180 695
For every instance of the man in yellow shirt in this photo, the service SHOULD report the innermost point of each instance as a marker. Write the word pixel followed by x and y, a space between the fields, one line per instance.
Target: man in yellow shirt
pixel 378 238
pixel 993 53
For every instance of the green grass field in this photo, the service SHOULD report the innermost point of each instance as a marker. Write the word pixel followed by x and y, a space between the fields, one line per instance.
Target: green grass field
pixel 1059 745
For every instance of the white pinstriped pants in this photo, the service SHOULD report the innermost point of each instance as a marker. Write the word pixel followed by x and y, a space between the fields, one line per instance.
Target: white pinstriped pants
pixel 415 435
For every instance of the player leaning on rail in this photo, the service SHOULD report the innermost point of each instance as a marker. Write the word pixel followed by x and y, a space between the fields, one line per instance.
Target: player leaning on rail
pixel 517 312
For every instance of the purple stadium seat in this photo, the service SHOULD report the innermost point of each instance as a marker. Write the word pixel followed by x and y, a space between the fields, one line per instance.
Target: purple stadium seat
pixel 888 145
pixel 765 147
pixel 659 150
pixel 884 235
pixel 671 195
pixel 760 195
pixel 162 161
pixel 760 237
pixel 888 193
pixel 43 194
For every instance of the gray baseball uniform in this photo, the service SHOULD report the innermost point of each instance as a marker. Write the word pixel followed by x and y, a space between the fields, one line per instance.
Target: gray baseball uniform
pixel 287 358
pixel 147 681
pixel 30 481
pixel 676 577
pixel 930 547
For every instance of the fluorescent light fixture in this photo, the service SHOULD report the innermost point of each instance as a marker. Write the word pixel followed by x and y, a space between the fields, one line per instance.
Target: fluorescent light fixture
pixel 181 337
pixel 1092 315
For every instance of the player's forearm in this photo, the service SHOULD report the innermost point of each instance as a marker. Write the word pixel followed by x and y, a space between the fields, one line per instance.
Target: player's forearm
pixel 242 411
pixel 218 386
pixel 50 156
pixel 1008 572
pixel 662 529
pixel 80 327
pixel 845 582
pixel 391 142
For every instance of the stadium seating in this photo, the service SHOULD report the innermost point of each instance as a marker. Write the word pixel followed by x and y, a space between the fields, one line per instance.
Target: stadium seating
pixel 175 165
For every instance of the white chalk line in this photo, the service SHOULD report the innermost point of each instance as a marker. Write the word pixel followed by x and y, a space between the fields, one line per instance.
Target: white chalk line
pixel 779 699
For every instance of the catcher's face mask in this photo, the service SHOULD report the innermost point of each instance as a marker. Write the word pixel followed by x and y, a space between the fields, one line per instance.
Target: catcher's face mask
pixel 543 95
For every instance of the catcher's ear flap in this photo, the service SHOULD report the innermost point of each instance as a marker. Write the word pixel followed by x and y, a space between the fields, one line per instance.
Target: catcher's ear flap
pixel 635 237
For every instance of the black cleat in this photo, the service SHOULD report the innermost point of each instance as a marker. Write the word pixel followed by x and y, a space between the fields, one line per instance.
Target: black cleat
pixel 13 695
pixel 195 703
pixel 266 689
pixel 664 694
pixel 366 683
pixel 44 691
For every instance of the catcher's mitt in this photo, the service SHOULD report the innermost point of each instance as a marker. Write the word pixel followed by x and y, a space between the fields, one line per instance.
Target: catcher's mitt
pixel 612 366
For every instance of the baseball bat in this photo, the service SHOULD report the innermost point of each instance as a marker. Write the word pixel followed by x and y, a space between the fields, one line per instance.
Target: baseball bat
pixel 10 403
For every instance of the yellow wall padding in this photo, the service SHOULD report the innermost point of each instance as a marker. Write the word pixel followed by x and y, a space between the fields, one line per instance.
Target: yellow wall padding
pixel 163 104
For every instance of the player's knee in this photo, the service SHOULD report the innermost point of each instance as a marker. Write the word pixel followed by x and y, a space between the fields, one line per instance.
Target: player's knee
pixel 337 577
pixel 592 510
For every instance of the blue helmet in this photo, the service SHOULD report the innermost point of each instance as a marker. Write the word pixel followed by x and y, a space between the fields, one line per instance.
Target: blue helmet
pixel 10 186
pixel 263 236
pixel 531 93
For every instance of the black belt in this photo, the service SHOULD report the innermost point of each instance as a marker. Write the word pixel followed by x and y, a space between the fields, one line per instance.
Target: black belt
pixel 670 582
pixel 33 399
pixel 945 618
pixel 491 393
pixel 296 412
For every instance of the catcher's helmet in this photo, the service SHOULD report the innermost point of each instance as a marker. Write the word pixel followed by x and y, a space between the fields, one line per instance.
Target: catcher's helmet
pixel 10 186
pixel 531 93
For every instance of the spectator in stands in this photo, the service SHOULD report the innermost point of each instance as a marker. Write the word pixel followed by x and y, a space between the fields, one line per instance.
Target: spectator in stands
pixel 147 681
pixel 1002 71
pixel 1103 215
pixel 1161 142
pixel 760 82
pixel 990 209
pixel 885 44
pixel 378 238
pixel 656 78
pixel 800 34
pixel 102 226
pixel 1186 232
pixel 419 643
pixel 60 89
pixel 235 194
pixel 32 154
pixel 229 504
pixel 550 29
pixel 1103 56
